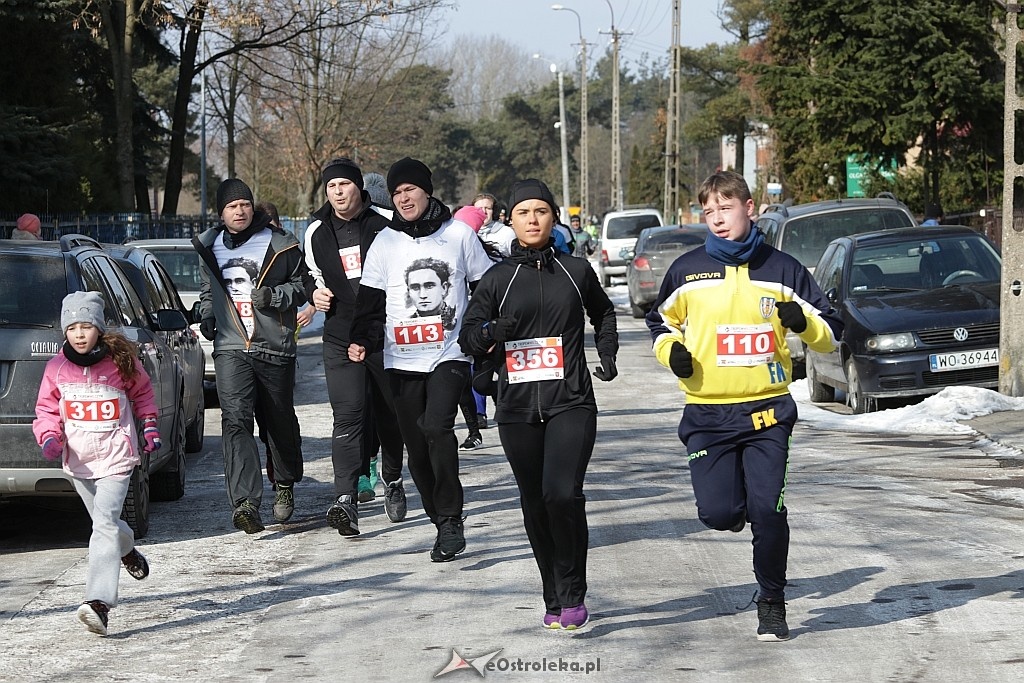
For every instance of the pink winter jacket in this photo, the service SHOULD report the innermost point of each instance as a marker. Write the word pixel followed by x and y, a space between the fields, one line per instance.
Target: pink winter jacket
pixel 91 409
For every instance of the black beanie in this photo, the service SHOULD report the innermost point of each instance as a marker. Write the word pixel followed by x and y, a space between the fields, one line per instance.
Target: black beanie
pixel 231 190
pixel 531 188
pixel 410 171
pixel 342 167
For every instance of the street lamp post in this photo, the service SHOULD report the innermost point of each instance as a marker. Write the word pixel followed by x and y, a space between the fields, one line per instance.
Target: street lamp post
pixel 584 148
pixel 565 149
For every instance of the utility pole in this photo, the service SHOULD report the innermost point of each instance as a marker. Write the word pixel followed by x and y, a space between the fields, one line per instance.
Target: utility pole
pixel 672 116
pixel 584 124
pixel 1011 299
pixel 616 146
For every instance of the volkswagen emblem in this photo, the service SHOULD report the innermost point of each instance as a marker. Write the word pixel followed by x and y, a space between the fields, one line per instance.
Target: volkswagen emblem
pixel 960 334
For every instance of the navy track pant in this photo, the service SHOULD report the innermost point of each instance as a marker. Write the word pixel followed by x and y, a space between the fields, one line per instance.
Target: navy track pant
pixel 739 461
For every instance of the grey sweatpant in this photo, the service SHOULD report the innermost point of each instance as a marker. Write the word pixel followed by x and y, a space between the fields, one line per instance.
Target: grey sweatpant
pixel 111 537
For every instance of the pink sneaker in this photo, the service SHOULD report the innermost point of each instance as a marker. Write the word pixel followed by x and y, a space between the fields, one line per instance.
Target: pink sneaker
pixel 573 618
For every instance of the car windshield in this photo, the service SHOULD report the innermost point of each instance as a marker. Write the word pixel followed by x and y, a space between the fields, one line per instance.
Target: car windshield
pixel 925 264
pixel 806 237
pixel 625 227
pixel 674 241
pixel 183 267
pixel 35 287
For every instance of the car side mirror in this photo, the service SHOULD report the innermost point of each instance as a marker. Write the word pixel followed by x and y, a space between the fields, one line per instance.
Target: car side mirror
pixel 170 320
pixel 194 313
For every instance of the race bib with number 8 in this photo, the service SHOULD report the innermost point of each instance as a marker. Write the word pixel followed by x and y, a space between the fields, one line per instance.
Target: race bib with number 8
pixel 534 360
pixel 745 345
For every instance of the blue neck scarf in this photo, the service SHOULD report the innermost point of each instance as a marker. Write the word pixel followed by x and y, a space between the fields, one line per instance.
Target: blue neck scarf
pixel 734 253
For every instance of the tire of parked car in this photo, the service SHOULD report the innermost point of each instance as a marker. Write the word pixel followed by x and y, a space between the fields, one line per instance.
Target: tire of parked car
pixel 169 482
pixel 818 392
pixel 855 397
pixel 136 503
pixel 637 311
pixel 194 434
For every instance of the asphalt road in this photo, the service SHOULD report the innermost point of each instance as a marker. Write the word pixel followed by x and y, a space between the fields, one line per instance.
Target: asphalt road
pixel 906 564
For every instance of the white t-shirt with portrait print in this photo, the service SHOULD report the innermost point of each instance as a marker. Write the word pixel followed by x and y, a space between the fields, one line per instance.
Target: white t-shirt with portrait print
pixel 237 267
pixel 426 284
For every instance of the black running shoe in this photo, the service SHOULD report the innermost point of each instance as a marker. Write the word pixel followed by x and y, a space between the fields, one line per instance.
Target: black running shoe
pixel 450 540
pixel 247 518
pixel 343 515
pixel 771 621
pixel 472 441
pixel 94 615
pixel 136 564
pixel 395 505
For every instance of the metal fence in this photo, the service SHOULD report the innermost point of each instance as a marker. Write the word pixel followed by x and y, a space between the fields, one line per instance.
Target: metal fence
pixel 118 228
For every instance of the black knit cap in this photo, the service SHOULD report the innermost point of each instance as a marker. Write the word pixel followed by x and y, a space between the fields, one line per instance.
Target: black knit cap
pixel 409 170
pixel 531 188
pixel 231 190
pixel 342 167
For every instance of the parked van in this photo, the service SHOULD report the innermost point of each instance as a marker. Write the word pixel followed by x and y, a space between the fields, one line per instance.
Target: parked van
pixel 619 231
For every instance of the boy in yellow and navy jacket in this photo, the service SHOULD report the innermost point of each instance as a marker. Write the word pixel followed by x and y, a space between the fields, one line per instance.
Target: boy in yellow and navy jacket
pixel 719 323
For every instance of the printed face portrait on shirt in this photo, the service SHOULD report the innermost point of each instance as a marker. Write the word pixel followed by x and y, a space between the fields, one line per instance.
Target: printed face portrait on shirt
pixel 239 277
pixel 428 282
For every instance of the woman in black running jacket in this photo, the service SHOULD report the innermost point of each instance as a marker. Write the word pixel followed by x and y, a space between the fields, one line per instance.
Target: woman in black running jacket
pixel 530 311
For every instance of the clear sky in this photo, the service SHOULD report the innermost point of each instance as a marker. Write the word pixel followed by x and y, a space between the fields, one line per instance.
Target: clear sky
pixel 555 34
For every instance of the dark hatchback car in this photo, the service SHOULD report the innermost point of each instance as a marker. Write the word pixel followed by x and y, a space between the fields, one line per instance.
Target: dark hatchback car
pixel 921 312
pixel 36 277
pixel 656 249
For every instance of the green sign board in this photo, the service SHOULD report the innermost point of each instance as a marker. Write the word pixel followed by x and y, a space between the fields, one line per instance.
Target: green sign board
pixel 857 166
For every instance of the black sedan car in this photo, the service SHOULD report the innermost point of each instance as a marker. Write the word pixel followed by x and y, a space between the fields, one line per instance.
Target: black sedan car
pixel 656 249
pixel 921 312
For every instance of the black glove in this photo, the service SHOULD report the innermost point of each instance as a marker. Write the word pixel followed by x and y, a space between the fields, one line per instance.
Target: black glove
pixel 607 372
pixel 261 297
pixel 500 329
pixel 208 328
pixel 483 377
pixel 791 315
pixel 680 360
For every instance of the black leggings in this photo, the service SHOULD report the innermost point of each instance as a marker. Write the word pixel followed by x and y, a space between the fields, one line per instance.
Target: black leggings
pixel 426 404
pixel 549 461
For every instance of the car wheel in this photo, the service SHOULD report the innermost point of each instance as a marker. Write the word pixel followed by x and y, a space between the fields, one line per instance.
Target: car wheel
pixel 819 393
pixel 637 311
pixel 136 503
pixel 169 482
pixel 855 397
pixel 194 434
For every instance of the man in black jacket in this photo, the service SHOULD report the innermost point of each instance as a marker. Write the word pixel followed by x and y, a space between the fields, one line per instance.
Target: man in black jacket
pixel 336 244
pixel 253 333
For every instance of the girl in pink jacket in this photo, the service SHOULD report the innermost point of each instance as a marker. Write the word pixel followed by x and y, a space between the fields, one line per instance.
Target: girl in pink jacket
pixel 88 398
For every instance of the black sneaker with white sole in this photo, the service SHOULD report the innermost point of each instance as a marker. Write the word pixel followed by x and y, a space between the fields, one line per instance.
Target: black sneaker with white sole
pixel 93 613
pixel 343 515
pixel 472 441
pixel 771 621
